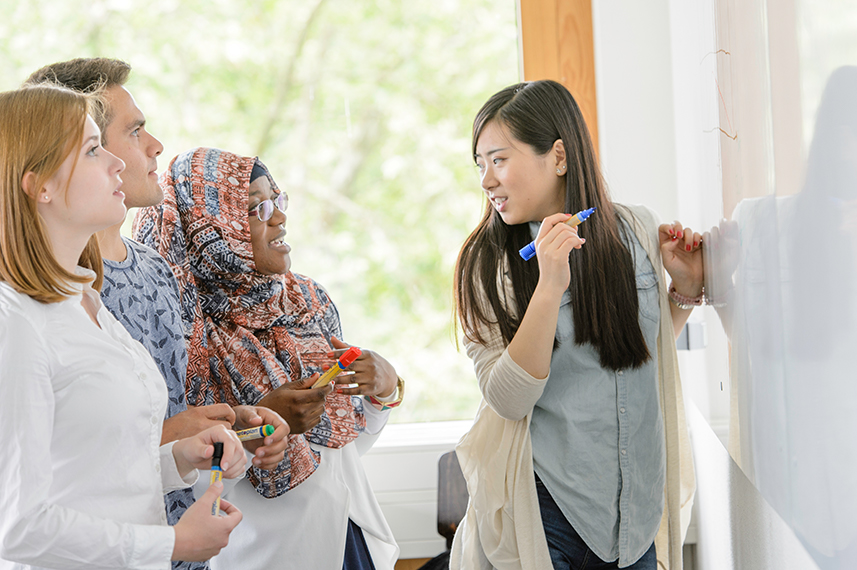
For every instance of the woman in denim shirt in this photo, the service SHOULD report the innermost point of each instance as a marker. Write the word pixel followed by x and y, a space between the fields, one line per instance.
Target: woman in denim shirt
pixel 575 351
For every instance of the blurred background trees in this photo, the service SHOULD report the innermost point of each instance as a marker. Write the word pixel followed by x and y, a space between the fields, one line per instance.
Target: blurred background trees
pixel 362 111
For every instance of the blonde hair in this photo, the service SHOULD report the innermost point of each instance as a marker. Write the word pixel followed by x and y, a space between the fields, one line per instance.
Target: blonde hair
pixel 40 125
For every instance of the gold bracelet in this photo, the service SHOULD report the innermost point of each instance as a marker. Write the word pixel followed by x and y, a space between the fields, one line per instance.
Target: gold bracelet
pixel 400 388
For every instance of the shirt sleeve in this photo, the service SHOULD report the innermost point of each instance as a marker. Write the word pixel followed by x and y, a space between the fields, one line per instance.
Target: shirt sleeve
pixel 506 387
pixel 375 419
pixel 32 529
pixel 170 477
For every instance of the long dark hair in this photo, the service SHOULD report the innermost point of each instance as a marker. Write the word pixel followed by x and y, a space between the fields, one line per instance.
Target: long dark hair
pixel 603 287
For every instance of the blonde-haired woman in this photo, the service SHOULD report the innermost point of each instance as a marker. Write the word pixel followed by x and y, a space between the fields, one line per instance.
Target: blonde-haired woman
pixel 81 403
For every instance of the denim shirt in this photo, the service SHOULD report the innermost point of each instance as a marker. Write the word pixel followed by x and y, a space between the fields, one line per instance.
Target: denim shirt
pixel 598 435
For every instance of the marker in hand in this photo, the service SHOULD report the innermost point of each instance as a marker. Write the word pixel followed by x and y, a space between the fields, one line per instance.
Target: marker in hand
pixel 216 473
pixel 344 362
pixel 255 433
pixel 529 250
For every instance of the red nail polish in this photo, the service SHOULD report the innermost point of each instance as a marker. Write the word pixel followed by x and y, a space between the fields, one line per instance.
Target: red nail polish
pixel 680 234
pixel 687 247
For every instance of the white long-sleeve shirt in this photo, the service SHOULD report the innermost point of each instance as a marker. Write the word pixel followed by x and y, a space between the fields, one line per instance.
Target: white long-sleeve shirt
pixel 83 474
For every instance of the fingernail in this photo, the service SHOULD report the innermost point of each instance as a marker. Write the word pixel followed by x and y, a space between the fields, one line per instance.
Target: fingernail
pixel 680 234
pixel 672 233
pixel 687 247
pixel 696 244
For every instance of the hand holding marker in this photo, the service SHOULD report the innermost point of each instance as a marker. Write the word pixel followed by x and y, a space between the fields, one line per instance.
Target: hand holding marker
pixel 344 362
pixel 529 250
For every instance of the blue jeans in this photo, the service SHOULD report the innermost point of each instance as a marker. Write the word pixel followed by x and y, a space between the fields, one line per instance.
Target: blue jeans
pixel 357 555
pixel 567 549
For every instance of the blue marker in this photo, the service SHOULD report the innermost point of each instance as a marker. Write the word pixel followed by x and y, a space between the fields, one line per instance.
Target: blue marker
pixel 529 250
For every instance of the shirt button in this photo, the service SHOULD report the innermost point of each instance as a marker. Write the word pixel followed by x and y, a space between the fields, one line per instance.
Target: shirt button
pixel 624 452
pixel 154 421
pixel 621 410
pixel 157 467
pixel 620 373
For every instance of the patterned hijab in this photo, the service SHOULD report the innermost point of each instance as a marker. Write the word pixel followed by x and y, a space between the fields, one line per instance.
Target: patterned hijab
pixel 247 333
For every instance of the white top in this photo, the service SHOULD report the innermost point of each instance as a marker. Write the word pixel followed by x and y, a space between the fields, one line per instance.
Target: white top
pixel 81 411
pixel 306 527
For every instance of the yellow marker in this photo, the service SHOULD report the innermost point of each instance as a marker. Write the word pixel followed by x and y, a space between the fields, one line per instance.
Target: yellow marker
pixel 344 362
pixel 216 474
pixel 255 433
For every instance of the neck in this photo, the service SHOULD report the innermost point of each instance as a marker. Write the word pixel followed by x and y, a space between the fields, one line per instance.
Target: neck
pixel 67 251
pixel 111 244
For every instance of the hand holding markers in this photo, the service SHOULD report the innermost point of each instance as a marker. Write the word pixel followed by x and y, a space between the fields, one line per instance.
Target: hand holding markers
pixel 268 447
pixel 556 238
pixel 199 535
pixel 195 452
pixel 372 374
pixel 529 250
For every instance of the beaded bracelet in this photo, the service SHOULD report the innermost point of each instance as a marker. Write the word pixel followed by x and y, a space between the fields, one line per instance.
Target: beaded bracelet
pixel 683 302
pixel 381 405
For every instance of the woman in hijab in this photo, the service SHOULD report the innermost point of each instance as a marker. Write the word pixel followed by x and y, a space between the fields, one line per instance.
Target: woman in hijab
pixel 260 334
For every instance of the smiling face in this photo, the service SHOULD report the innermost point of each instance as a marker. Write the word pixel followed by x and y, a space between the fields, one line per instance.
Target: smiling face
pixel 88 199
pixel 126 137
pixel 270 252
pixel 521 185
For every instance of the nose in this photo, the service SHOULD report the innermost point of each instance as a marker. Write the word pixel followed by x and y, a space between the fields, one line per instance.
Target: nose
pixel 278 218
pixel 118 165
pixel 155 146
pixel 488 179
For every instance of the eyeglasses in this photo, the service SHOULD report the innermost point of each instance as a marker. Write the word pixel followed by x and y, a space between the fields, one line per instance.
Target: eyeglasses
pixel 265 209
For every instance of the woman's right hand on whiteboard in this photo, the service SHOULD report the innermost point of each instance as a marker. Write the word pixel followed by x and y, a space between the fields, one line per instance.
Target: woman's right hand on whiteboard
pixel 553 245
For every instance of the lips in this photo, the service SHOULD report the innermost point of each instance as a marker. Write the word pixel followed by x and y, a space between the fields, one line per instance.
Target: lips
pixel 499 202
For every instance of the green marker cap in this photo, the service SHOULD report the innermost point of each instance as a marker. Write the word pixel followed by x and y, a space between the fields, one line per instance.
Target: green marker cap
pixel 267 430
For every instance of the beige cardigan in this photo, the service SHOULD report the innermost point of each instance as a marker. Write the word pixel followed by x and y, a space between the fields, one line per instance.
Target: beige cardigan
pixel 502 527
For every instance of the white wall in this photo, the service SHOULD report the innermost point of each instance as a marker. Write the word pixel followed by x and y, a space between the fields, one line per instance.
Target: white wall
pixel 655 91
pixel 658 119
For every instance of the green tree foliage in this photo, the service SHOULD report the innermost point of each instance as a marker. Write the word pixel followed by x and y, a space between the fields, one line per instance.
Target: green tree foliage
pixel 362 111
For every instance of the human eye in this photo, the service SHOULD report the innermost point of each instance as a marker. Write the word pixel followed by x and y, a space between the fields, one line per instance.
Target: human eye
pixel 497 160
pixel 136 132
pixel 92 151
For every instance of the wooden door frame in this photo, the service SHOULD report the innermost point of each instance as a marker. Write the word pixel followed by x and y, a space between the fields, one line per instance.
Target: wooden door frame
pixel 556 42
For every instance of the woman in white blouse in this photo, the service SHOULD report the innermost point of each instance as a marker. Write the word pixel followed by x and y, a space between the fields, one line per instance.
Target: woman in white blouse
pixel 83 474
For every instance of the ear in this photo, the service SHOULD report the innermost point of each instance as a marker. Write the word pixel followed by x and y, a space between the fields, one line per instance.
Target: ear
pixel 558 151
pixel 29 185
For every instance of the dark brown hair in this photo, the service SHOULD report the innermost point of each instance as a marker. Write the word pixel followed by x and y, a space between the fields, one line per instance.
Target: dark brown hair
pixel 603 287
pixel 86 75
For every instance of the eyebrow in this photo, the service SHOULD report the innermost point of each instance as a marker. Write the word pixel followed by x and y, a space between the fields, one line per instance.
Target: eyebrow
pixel 490 152
pixel 95 138
pixel 136 124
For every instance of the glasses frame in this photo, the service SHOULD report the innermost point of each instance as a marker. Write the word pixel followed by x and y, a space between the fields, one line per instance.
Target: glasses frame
pixel 265 209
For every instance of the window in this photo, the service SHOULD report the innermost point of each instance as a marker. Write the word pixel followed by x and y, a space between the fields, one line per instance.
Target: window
pixel 362 111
